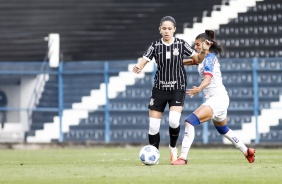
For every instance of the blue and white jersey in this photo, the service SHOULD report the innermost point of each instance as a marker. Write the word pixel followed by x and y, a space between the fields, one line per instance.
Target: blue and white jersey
pixel 210 66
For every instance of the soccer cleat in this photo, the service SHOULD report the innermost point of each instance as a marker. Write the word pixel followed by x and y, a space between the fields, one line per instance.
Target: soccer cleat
pixel 179 161
pixel 173 154
pixel 250 155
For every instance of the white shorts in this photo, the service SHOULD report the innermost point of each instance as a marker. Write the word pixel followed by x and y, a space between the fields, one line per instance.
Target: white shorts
pixel 219 105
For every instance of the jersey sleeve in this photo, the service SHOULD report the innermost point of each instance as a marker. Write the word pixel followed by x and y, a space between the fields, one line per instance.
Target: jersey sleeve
pixel 188 50
pixel 150 52
pixel 209 64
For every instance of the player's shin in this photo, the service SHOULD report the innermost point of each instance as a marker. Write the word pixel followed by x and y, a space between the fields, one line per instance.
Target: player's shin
pixel 153 134
pixel 174 127
pixel 232 137
pixel 187 141
pixel 174 134
pixel 154 140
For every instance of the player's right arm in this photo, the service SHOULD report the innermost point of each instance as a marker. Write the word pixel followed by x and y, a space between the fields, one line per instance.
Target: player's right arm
pixel 189 62
pixel 148 56
pixel 197 89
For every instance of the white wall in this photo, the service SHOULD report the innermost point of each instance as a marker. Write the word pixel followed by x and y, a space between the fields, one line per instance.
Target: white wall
pixel 12 93
pixel 18 96
pixel 26 93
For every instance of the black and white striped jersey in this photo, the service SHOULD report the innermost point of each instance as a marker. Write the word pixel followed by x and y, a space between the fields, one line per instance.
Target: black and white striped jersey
pixel 170 74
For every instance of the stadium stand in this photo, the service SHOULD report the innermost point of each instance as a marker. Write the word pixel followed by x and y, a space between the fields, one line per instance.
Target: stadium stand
pixel 128 115
pixel 87 33
pixel 89 29
pixel 78 81
pixel 256 33
pixel 129 108
pixel 121 11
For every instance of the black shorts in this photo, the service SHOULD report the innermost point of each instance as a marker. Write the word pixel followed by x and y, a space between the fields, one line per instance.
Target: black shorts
pixel 160 98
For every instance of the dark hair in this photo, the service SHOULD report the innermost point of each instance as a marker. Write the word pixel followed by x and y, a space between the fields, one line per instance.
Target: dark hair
pixel 168 18
pixel 210 35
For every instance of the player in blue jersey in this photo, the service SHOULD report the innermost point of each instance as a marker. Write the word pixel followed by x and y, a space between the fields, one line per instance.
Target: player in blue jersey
pixel 216 104
pixel 170 80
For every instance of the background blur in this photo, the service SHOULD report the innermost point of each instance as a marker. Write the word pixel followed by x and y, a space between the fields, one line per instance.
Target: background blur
pixel 65 68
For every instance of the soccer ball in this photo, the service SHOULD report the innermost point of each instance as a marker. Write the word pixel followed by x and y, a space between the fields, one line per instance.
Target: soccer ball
pixel 149 155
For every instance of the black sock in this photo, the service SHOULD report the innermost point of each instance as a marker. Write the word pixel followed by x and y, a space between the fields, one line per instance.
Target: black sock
pixel 154 140
pixel 174 134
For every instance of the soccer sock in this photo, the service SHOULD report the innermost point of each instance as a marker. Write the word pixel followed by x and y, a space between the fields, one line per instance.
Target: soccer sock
pixel 154 140
pixel 231 136
pixel 187 141
pixel 174 134
pixel 153 134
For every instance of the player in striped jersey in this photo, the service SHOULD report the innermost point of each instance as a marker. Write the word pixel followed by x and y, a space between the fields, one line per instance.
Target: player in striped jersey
pixel 216 104
pixel 169 82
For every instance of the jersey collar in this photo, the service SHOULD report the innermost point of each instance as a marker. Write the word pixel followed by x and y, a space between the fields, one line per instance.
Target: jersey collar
pixel 168 44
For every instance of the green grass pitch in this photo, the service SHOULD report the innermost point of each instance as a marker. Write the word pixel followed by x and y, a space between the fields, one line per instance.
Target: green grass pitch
pixel 121 165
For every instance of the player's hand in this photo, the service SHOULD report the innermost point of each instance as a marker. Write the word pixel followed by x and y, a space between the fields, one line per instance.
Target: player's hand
pixel 136 69
pixel 206 45
pixel 192 92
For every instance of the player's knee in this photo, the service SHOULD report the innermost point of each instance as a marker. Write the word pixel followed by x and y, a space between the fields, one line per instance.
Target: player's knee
pixel 154 126
pixel 222 129
pixel 193 119
pixel 174 118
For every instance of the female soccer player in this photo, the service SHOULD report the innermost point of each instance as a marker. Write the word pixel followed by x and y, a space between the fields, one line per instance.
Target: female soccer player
pixel 217 101
pixel 170 80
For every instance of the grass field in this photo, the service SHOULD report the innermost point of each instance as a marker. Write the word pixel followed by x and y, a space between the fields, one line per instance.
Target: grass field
pixel 121 165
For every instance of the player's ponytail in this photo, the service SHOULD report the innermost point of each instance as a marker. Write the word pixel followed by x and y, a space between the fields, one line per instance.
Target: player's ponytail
pixel 210 35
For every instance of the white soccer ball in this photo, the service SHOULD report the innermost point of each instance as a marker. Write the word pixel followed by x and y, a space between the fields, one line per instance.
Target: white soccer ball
pixel 149 155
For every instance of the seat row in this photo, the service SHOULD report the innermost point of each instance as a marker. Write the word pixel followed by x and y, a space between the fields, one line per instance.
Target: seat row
pixel 240 41
pixel 268 6
pixel 274 136
pixel 251 53
pixel 236 103
pixel 142 120
pixel 270 17
pixel 132 136
pixel 141 136
pixel 270 64
pixel 247 30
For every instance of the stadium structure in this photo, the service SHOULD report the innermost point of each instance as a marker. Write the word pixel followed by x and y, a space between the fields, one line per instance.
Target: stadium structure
pixel 66 68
